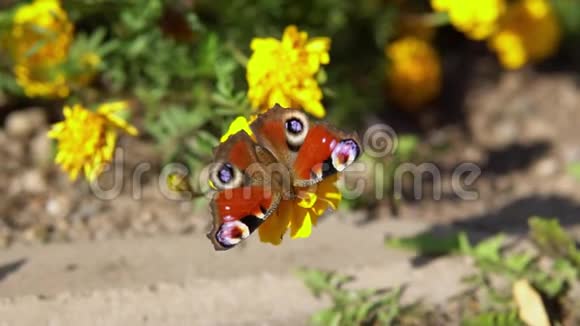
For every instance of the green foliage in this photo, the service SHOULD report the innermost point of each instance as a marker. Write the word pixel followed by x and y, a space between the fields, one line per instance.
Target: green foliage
pixel 492 262
pixel 508 318
pixel 553 240
pixel 353 307
pixel 569 12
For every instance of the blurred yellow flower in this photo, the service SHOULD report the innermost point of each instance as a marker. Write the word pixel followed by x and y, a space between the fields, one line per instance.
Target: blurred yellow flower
pixel 477 19
pixel 413 72
pixel 529 32
pixel 89 63
pixel 41 81
pixel 283 71
pixel 38 42
pixel 299 214
pixel 87 139
pixel 177 182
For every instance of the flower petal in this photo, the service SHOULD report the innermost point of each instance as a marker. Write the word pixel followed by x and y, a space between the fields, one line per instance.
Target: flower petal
pixel 239 124
pixel 273 229
pixel 300 223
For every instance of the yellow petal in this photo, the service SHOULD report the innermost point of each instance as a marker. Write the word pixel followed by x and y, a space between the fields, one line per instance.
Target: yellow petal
pixel 318 209
pixel 328 192
pixel 264 44
pixel 273 229
pixel 112 107
pixel 315 108
pixel 307 199
pixel 239 124
pixel 300 223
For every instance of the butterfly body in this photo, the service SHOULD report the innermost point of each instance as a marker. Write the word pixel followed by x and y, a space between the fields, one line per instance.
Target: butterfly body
pixel 253 174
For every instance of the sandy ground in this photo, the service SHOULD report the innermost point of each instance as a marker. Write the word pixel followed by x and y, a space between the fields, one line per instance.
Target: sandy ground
pixel 178 280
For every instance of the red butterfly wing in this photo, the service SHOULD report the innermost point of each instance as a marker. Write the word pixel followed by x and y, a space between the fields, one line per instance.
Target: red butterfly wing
pixel 324 152
pixel 238 212
pixel 242 201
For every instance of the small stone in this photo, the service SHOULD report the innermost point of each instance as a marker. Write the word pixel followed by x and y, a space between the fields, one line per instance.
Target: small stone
pixel 58 206
pixel 504 133
pixel 24 123
pixel 472 154
pixel 33 234
pixel 40 149
pixel 11 150
pixel 546 167
pixel 33 181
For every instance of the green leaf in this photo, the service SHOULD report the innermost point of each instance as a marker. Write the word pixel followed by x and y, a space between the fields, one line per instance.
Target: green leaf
pixel 518 263
pixel 326 317
pixel 351 306
pixel 489 249
pixel 552 287
pixel 569 14
pixel 550 238
pixel 509 318
pixel 195 23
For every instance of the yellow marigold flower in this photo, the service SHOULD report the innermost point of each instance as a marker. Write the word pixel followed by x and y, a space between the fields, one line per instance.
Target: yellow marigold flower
pixel 477 19
pixel 529 32
pixel 38 42
pixel 87 139
pixel 283 71
pixel 413 73
pixel 39 81
pixel 300 214
pixel 43 23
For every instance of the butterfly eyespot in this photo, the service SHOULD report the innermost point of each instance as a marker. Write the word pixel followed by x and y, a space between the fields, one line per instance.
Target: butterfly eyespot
pixel 344 154
pixel 231 233
pixel 226 173
pixel 225 176
pixel 296 127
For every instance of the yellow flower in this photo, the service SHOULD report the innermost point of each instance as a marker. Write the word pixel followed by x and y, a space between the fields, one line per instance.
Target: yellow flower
pixel 43 24
pixel 477 19
pixel 283 71
pixel 529 32
pixel 41 81
pixel 87 139
pixel 413 73
pixel 299 214
pixel 38 42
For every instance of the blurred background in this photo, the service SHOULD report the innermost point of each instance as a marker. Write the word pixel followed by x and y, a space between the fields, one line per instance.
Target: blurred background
pixel 91 90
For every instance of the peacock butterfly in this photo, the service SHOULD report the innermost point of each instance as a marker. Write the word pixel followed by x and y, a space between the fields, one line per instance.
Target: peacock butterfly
pixel 253 173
